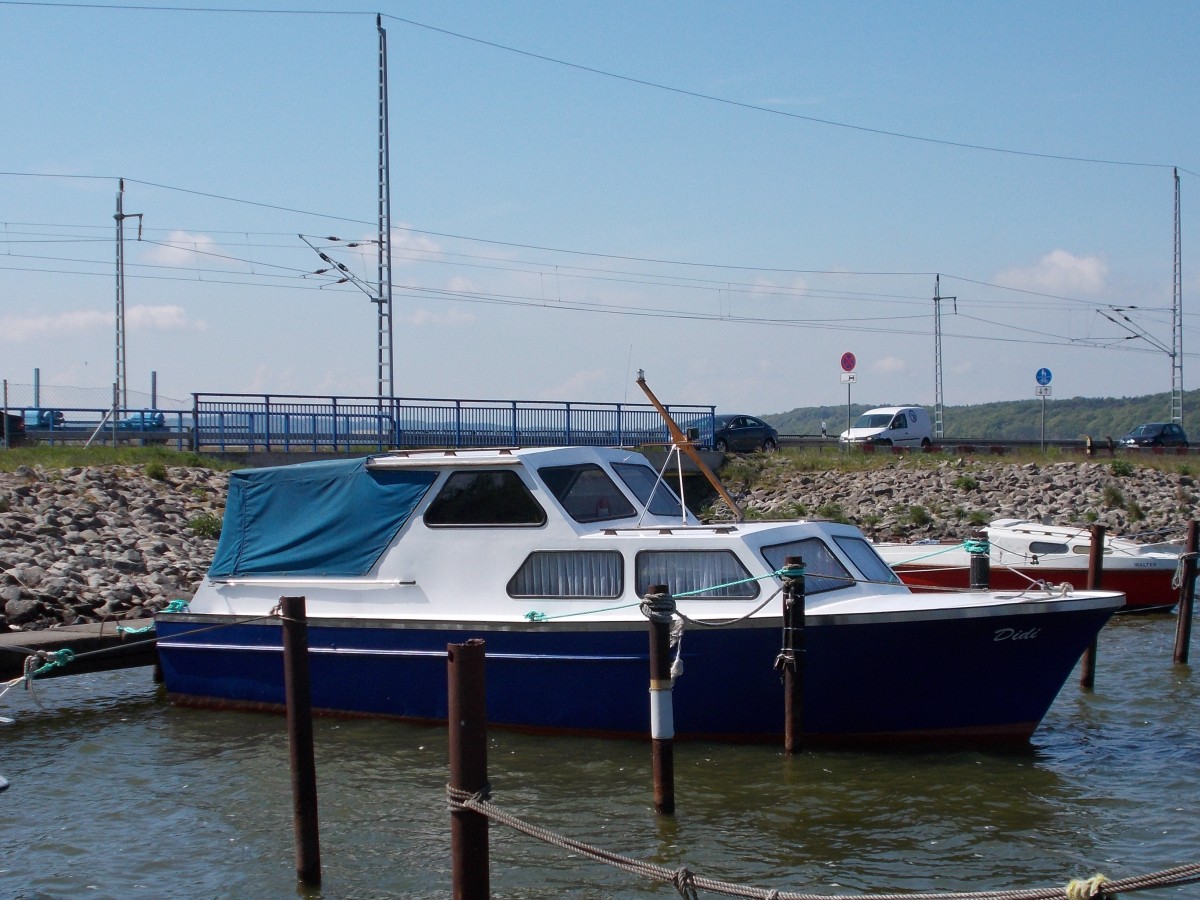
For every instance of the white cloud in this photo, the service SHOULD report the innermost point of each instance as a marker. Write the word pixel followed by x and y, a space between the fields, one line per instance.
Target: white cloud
pixel 1058 272
pixel 452 318
pixel 182 249
pixel 17 329
pixel 578 384
pixel 162 318
pixel 890 365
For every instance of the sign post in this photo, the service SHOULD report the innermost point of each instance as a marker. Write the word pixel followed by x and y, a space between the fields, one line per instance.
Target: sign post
pixel 848 378
pixel 1042 390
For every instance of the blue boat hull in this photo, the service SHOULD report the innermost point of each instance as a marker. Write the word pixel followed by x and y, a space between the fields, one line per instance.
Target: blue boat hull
pixel 885 678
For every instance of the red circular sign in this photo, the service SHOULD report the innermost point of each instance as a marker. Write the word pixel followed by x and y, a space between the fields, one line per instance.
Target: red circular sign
pixel 848 362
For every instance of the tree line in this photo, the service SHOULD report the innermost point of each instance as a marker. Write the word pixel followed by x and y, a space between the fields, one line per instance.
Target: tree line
pixel 1066 419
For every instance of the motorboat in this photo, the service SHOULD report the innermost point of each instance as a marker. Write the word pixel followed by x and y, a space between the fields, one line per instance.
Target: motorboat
pixel 1022 553
pixel 546 554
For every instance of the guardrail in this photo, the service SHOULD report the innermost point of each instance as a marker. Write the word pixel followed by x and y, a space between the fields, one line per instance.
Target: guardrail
pixel 290 422
pixel 78 425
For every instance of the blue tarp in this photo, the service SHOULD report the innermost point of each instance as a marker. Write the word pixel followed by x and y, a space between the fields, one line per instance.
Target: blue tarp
pixel 330 518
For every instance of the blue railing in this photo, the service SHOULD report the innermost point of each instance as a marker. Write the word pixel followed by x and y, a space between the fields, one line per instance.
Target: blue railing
pixel 302 423
pixel 287 422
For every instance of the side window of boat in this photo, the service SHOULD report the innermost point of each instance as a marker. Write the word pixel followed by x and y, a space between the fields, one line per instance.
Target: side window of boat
pixel 702 574
pixel 586 492
pixel 569 574
pixel 485 497
pixel 823 571
pixel 1043 547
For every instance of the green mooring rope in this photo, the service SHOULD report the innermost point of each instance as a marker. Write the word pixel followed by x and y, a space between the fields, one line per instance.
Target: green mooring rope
pixel 57 659
pixel 175 606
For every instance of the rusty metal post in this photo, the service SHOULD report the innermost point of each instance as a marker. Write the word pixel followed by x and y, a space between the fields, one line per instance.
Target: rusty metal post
pixel 1187 594
pixel 1087 672
pixel 298 690
pixel 658 606
pixel 791 657
pixel 467 715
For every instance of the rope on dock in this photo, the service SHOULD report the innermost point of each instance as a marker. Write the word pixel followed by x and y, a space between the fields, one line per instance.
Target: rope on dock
pixel 689 884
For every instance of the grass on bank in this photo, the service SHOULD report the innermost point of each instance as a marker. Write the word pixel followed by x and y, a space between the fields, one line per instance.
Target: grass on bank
pixel 67 457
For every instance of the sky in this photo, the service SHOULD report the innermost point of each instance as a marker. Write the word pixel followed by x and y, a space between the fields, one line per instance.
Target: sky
pixel 729 197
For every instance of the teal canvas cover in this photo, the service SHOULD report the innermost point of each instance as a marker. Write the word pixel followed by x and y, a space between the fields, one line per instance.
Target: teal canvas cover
pixel 330 518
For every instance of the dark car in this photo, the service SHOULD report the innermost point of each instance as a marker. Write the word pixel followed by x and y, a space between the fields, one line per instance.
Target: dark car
pixel 14 429
pixel 44 418
pixel 743 434
pixel 1156 434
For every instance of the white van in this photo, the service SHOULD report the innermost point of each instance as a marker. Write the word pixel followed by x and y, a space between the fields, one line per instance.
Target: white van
pixel 899 426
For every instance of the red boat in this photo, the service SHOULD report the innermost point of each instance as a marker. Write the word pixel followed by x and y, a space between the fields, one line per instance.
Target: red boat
pixel 1024 554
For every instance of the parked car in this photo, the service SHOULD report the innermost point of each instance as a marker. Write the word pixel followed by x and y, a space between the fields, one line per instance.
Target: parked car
pixel 1156 434
pixel 14 429
pixel 743 434
pixel 44 418
pixel 150 424
pixel 888 426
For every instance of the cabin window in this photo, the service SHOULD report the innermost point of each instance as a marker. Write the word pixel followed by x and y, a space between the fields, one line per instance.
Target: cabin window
pixel 485 497
pixel 586 492
pixel 865 559
pixel 711 574
pixel 570 574
pixel 1043 547
pixel 655 495
pixel 823 571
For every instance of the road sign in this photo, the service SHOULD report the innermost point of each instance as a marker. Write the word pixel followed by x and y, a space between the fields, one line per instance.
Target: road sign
pixel 849 377
pixel 1043 376
pixel 1042 390
pixel 848 362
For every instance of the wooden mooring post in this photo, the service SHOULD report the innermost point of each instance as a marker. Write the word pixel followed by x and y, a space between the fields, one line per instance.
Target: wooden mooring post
pixel 467 715
pixel 981 563
pixel 298 688
pixel 1187 594
pixel 791 657
pixel 657 604
pixel 1087 673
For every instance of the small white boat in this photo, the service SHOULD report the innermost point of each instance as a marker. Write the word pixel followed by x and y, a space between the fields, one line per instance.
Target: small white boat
pixel 1023 553
pixel 545 554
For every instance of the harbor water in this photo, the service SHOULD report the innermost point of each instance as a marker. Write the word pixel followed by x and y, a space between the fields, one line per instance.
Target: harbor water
pixel 114 793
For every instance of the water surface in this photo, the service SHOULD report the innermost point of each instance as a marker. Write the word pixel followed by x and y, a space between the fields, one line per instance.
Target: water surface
pixel 115 793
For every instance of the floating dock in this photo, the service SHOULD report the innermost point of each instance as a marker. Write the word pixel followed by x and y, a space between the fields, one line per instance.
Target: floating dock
pixel 95 647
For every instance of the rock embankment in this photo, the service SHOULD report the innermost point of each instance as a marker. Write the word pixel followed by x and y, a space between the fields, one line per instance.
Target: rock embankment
pixel 119 542
pixel 908 501
pixel 103 543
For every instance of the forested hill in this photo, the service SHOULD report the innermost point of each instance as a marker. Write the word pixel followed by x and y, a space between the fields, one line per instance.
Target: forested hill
pixel 1066 418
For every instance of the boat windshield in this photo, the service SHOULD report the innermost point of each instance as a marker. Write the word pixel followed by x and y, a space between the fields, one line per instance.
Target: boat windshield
pixel 643 480
pixel 866 559
pixel 586 492
pixel 823 571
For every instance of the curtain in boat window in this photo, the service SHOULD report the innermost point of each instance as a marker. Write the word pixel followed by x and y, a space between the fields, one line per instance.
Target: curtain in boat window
pixel 684 571
pixel 571 574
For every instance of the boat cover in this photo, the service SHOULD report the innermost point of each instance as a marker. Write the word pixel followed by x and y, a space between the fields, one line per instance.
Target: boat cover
pixel 331 518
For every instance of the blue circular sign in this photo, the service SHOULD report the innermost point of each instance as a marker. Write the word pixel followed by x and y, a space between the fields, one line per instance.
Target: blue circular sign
pixel 1043 376
pixel 848 362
